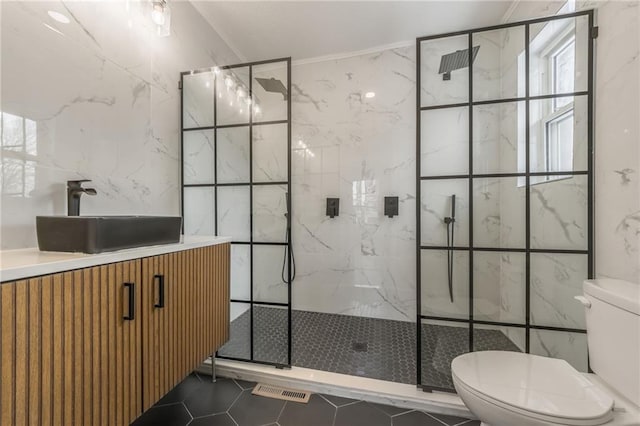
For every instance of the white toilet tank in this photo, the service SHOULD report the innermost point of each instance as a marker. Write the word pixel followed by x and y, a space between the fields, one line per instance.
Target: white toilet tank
pixel 613 334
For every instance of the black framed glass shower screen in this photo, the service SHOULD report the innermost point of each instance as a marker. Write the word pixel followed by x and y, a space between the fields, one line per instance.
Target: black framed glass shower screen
pixel 504 123
pixel 236 181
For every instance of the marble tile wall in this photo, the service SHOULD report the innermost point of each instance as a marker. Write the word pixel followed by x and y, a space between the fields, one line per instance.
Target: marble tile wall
pixel 325 121
pixel 617 131
pixel 617 190
pixel 358 149
pixel 99 100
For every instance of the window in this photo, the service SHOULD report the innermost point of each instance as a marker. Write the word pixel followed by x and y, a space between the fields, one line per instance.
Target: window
pixel 18 136
pixel 563 70
pixel 559 142
pixel 557 116
pixel 553 70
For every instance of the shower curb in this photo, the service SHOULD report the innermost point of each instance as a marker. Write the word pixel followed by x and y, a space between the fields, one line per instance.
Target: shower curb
pixel 342 385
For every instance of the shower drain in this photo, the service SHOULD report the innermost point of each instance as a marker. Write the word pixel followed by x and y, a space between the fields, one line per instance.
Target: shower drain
pixel 360 346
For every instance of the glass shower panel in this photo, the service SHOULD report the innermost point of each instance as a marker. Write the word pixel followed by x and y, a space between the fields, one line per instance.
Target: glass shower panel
pixel 439 57
pixel 234 212
pixel 270 92
pixel 436 293
pixel 198 157
pixel 270 334
pixel 499 213
pixel 269 208
pixel 199 211
pixel 233 155
pixel 444 140
pixel 572 347
pixel 236 162
pixel 268 274
pixel 558 135
pixel 499 286
pixel 558 56
pixel 498 71
pixel 241 272
pixel 499 338
pixel 442 341
pixel 525 198
pixel 555 280
pixel 436 200
pixel 239 344
pixel 270 153
pixel 232 87
pixel 197 100
pixel 499 138
pixel 559 213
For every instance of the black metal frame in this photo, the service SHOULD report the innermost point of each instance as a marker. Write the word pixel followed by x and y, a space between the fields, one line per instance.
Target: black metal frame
pixel 250 184
pixel 589 93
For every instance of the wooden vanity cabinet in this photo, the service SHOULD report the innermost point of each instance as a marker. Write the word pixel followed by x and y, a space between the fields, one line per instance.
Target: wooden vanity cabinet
pixel 90 346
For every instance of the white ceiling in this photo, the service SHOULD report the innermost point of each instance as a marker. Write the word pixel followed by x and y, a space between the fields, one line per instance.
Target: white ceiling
pixel 307 29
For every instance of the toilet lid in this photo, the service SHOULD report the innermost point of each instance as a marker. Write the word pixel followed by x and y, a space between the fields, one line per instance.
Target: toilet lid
pixel 539 385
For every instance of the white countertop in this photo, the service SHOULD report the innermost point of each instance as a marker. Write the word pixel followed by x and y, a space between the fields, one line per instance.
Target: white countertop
pixel 31 262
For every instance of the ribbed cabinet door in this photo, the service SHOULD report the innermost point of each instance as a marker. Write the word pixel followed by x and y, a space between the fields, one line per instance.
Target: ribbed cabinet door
pixel 67 356
pixel 161 333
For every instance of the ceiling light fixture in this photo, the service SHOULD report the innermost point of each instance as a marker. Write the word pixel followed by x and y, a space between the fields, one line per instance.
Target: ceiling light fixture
pixel 59 17
pixel 370 95
pixel 161 16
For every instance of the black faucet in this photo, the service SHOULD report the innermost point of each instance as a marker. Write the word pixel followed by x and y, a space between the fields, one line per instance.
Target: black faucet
pixel 74 191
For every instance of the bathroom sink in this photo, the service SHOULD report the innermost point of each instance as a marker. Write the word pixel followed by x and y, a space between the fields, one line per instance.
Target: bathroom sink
pixel 97 234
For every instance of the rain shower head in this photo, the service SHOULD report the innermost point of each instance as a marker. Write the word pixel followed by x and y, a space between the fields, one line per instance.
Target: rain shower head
pixel 455 61
pixel 274 86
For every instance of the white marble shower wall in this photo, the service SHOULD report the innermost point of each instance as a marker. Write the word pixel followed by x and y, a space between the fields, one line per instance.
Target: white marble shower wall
pixel 96 98
pixel 560 206
pixel 359 149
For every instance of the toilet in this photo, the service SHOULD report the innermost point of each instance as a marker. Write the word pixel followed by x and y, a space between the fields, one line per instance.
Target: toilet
pixel 514 389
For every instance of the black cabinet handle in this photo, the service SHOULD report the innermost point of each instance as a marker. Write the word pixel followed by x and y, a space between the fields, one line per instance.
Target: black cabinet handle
pixel 160 279
pixel 132 301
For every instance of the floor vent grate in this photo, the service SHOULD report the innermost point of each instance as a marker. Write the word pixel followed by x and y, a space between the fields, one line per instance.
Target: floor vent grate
pixel 281 393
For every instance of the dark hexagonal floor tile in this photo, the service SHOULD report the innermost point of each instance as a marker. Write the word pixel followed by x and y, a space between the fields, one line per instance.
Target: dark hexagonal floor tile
pixel 215 420
pixel 181 391
pixel 317 412
pixel 167 415
pixel 390 409
pixel 338 401
pixel 361 414
pixel 245 384
pixel 450 420
pixel 212 398
pixel 415 418
pixel 252 410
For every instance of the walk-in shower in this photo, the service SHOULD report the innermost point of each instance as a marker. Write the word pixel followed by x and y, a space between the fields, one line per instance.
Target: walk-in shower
pixel 421 231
